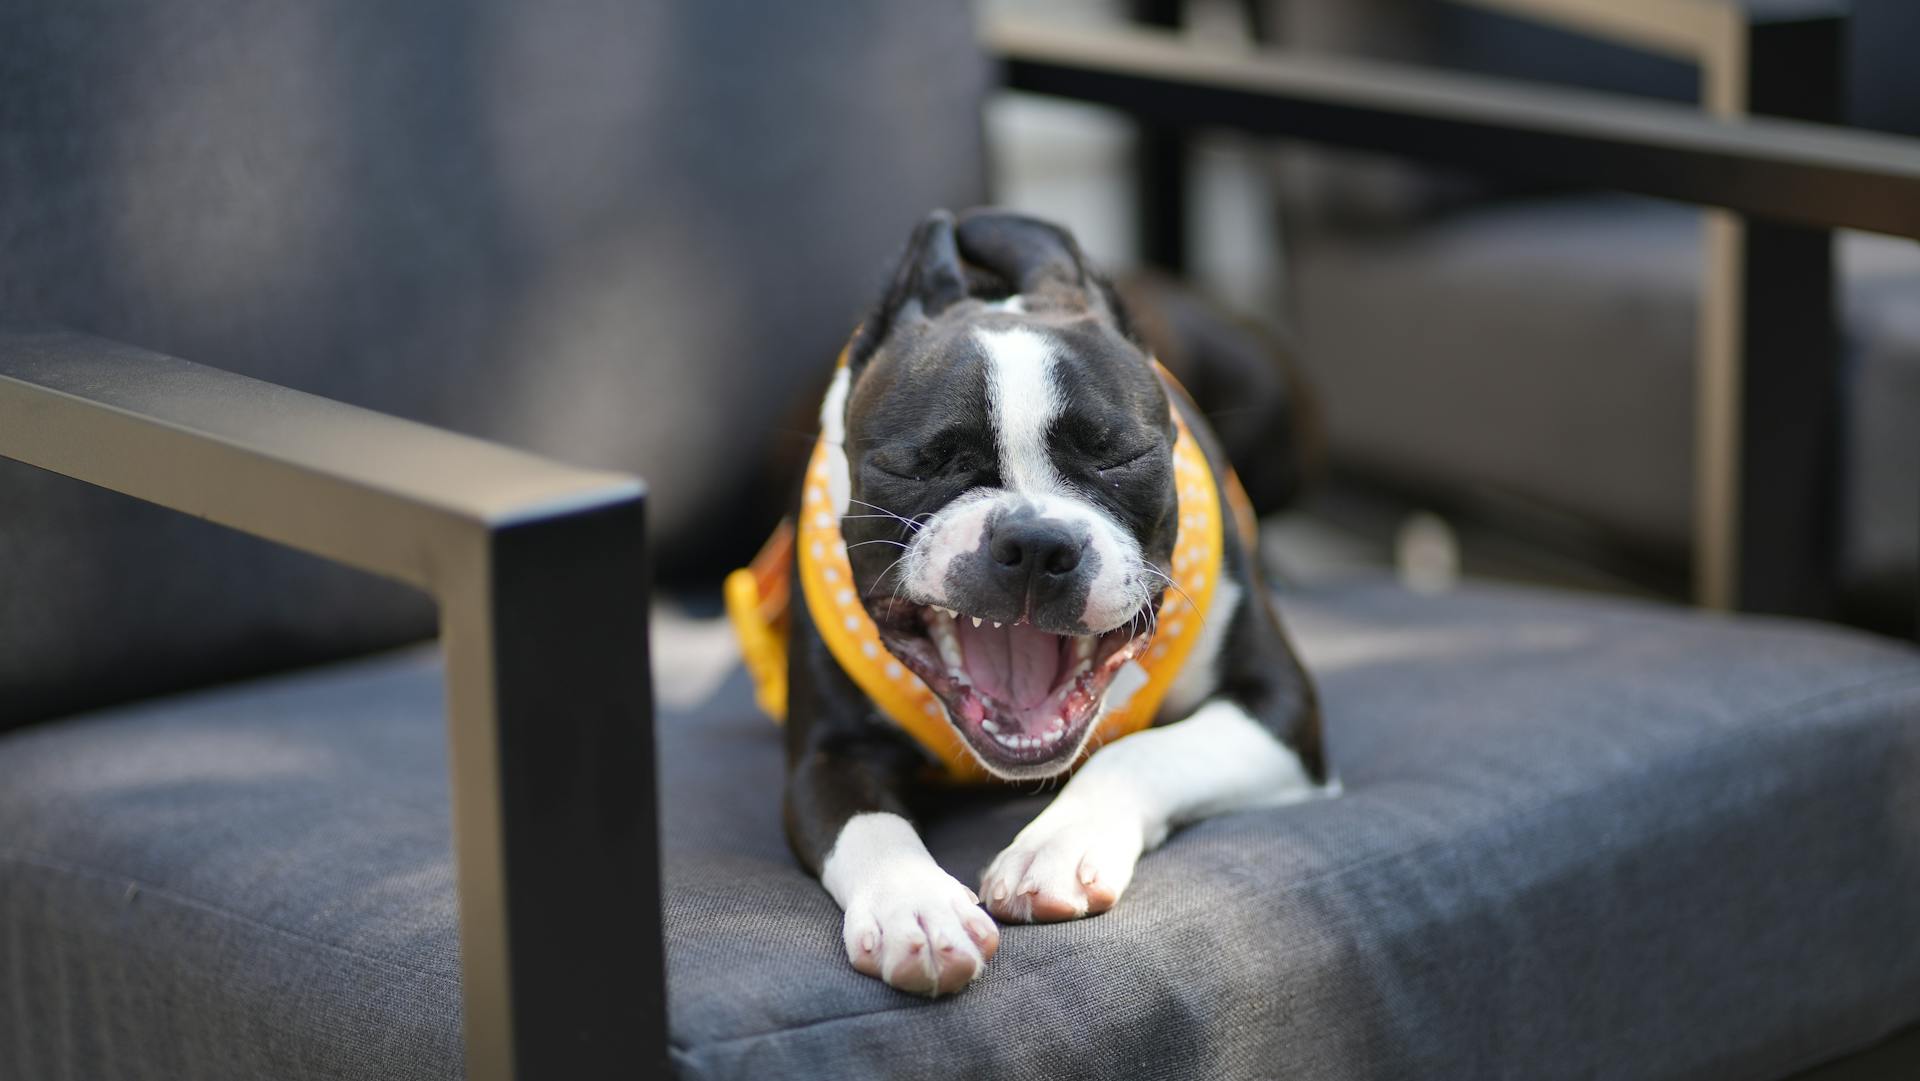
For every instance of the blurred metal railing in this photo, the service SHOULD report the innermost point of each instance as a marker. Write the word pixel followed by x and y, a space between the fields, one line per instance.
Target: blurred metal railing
pixel 1765 536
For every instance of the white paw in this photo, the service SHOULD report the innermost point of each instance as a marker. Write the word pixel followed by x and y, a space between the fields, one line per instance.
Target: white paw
pixel 925 934
pixel 1066 864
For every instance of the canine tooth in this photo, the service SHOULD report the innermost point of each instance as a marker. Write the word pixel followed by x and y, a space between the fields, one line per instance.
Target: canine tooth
pixel 976 621
pixel 1083 647
pixel 989 726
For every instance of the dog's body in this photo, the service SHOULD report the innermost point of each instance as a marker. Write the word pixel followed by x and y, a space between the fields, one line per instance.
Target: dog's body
pixel 1002 453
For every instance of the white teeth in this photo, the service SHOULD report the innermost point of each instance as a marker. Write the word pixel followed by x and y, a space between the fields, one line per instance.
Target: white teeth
pixel 996 624
pixel 1019 741
pixel 941 631
pixel 976 621
pixel 1083 647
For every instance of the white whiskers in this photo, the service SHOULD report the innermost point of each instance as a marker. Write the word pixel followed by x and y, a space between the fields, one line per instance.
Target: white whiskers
pixel 910 523
pixel 1175 586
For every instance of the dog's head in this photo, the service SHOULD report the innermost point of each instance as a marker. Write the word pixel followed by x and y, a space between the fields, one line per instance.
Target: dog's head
pixel 1008 494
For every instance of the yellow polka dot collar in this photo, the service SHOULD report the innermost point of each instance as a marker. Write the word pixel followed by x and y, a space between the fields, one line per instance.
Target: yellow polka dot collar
pixel 757 599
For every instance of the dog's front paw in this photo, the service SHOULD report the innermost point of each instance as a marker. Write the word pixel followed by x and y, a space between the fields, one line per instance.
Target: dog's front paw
pixel 926 935
pixel 1064 866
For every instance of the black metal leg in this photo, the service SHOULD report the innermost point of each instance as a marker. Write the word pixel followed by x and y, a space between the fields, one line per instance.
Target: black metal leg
pixel 1160 166
pixel 579 820
pixel 1791 412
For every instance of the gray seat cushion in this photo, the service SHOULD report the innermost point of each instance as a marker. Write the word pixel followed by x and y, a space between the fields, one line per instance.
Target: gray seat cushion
pixel 1580 839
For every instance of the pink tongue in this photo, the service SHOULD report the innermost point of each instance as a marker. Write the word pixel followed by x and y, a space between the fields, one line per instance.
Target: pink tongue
pixel 1017 665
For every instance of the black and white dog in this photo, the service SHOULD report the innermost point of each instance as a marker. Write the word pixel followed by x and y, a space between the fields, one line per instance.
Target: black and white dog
pixel 1005 449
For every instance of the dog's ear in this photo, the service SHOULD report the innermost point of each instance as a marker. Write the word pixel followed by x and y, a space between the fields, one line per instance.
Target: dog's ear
pixel 928 279
pixel 1031 256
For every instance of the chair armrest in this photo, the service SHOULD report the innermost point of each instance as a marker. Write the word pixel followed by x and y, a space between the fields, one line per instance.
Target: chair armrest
pixel 540 574
pixel 1781 169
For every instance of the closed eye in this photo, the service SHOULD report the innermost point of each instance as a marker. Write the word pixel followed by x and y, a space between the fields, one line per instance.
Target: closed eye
pixel 1132 459
pixel 935 462
pixel 896 473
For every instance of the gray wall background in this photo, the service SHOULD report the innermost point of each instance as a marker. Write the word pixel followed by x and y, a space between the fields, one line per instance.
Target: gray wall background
pixel 622 234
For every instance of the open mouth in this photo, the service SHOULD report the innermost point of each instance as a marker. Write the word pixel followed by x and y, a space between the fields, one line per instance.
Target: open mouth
pixel 1023 698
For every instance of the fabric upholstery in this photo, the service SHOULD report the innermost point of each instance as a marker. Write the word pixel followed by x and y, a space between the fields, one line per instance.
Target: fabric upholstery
pixel 622 234
pixel 1546 350
pixel 1580 839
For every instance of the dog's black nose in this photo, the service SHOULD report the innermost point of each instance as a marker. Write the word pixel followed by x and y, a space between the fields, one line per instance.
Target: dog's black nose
pixel 1035 548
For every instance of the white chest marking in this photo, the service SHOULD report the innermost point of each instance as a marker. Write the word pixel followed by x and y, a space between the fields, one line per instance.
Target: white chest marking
pixel 1220 759
pixel 1023 400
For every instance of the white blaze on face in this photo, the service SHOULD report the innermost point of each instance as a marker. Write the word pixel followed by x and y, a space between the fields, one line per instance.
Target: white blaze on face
pixel 1023 401
pixel 1024 397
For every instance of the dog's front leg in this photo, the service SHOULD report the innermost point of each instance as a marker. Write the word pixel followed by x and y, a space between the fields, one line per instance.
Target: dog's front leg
pixel 905 920
pixel 1078 856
